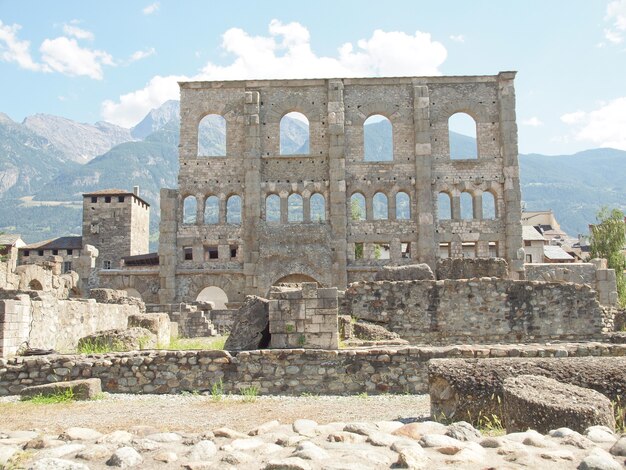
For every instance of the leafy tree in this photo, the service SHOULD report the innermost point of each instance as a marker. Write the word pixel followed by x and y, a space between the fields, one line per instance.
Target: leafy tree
pixel 608 238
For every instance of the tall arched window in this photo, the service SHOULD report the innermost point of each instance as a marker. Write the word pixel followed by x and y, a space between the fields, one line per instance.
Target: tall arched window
pixel 377 139
pixel 190 209
pixel 295 210
pixel 272 208
pixel 444 206
pixel 381 207
pixel 462 137
pixel 357 207
pixel 294 134
pixel 467 206
pixel 212 210
pixel 233 210
pixel 489 205
pixel 212 136
pixel 318 208
pixel 403 206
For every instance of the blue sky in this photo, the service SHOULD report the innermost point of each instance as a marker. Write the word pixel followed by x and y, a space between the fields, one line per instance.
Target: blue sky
pixel 115 60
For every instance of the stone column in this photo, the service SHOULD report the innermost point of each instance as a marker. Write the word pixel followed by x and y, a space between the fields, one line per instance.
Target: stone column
pixel 477 206
pixel 426 246
pixel 167 245
pixel 512 192
pixel 337 189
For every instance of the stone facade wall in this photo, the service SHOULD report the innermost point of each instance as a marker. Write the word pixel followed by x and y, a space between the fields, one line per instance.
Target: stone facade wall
pixel 303 317
pixel 248 255
pixel 46 322
pixel 279 372
pixel 596 274
pixel 468 268
pixel 479 310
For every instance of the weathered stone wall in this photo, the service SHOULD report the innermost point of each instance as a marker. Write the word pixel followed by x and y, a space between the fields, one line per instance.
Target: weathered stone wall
pixel 280 372
pixel 479 310
pixel 248 254
pixel 468 268
pixel 596 274
pixel 46 322
pixel 303 317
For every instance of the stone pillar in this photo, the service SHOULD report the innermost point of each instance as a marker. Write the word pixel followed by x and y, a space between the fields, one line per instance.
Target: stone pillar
pixel 15 319
pixel 84 266
pixel 477 206
pixel 426 246
pixel 167 245
pixel 337 186
pixel 513 252
pixel 251 209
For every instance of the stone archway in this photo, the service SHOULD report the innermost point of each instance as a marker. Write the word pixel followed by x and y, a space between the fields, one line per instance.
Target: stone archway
pixel 34 284
pixel 296 278
pixel 215 295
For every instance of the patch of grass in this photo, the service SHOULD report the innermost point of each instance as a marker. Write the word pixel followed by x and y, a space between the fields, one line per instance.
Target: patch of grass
pixel 98 347
pixel 217 390
pixel 309 395
pixel 620 415
pixel 61 396
pixel 363 395
pixel 185 344
pixel 301 340
pixel 188 393
pixel 490 424
pixel 249 393
pixel 18 461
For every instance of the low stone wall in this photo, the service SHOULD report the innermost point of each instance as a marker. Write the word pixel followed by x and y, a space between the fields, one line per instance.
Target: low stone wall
pixel 479 310
pixel 223 320
pixel 46 322
pixel 469 268
pixel 284 372
pixel 595 274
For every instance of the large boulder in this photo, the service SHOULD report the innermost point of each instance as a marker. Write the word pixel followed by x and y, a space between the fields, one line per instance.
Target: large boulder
pixel 372 332
pixel 408 272
pixel 463 389
pixel 251 329
pixel 157 323
pixel 82 389
pixel 114 296
pixel 130 339
pixel 542 404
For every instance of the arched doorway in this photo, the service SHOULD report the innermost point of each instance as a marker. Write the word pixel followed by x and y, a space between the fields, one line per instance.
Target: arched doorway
pixel 35 285
pixel 213 294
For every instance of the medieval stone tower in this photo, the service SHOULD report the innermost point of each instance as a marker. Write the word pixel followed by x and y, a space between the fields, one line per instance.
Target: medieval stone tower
pixel 117 223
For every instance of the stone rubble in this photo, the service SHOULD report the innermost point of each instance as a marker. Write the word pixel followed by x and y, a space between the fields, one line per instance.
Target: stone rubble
pixel 307 445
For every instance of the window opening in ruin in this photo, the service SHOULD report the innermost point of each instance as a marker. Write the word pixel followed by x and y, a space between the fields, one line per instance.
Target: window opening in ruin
pixel 210 252
pixel 403 206
pixel 444 250
pixel 212 136
pixel 295 211
pixel 26 253
pixel 462 137
pixel 35 285
pixel 120 199
pixel 55 252
pixel 94 199
pixel 67 266
pixel 107 199
pixel 233 251
pixel 358 250
pixel 294 134
pixel 527 243
pixel 272 208
pixel 212 210
pixel 40 252
pixel 405 249
pixel 70 252
pixel 317 205
pixel 467 206
pixel 489 205
pixel 233 210
pixel 381 208
pixel 190 208
pixel 187 253
pixel 215 295
pixel 444 206
pixel 106 264
pixel 357 207
pixel 493 250
pixel 469 249
pixel 529 258
pixel 377 139
pixel 381 251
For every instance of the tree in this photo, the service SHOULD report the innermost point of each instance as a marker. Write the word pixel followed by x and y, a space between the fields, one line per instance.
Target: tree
pixel 608 238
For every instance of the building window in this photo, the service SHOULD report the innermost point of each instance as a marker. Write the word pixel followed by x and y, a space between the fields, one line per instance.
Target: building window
pixel 94 199
pixel 70 252
pixel 317 208
pixel 233 251
pixel 106 264
pixel 358 250
pixel 377 139
pixel 403 206
pixel 295 211
pixel 406 250
pixel 529 258
pixel 120 199
pixel 462 137
pixel 55 252
pixel 233 210
pixel 357 207
pixel 26 253
pixel 272 208
pixel 190 208
pixel 67 266
pixel 381 209
pixel 212 210
pixel 107 199
pixel 294 134
pixel 212 136
pixel 444 206
pixel 467 206
pixel 40 252
pixel 188 253
pixel 210 252
pixel 526 242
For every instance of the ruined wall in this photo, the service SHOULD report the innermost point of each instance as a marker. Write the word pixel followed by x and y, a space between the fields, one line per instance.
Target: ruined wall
pixel 468 268
pixel 274 372
pixel 474 311
pixel 243 251
pixel 46 322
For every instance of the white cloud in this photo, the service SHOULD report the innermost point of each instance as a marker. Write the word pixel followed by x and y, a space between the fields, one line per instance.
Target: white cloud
pixel 573 118
pixel 77 32
pixel 532 122
pixel 152 8
pixel 65 56
pixel 603 127
pixel 138 55
pixel 457 38
pixel 13 49
pixel 616 15
pixel 286 53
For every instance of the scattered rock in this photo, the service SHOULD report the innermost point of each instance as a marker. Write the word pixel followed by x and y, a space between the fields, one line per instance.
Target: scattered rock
pixel 600 434
pixel 56 464
pixel 305 427
pixel 463 431
pixel 6 453
pixel 165 437
pixel 203 450
pixel 599 459
pixel 439 440
pixel 264 428
pixel 229 433
pixel 95 452
pixel 619 448
pixel 116 437
pixel 165 456
pixel 290 463
pixel 309 451
pixel 80 434
pixel 125 457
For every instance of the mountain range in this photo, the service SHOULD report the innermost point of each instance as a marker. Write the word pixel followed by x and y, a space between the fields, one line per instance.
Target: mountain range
pixel 47 162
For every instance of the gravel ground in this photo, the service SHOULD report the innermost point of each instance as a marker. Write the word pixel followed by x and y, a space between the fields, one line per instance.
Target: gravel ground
pixel 195 413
